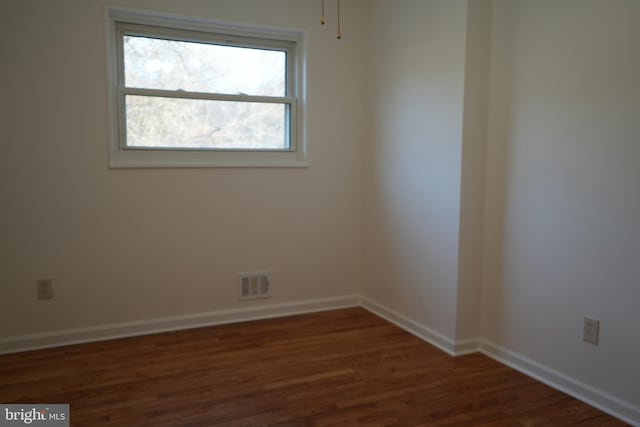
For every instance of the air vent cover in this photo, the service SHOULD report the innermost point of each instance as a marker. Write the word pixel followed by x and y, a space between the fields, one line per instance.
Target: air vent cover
pixel 254 285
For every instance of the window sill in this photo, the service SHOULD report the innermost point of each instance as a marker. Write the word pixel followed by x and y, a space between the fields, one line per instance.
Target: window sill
pixel 133 159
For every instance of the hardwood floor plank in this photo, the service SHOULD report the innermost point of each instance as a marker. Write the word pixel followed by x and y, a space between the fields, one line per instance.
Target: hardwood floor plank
pixel 339 368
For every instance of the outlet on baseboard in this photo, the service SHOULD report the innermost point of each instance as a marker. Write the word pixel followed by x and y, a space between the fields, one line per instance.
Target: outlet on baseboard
pixel 591 331
pixel 254 285
pixel 44 288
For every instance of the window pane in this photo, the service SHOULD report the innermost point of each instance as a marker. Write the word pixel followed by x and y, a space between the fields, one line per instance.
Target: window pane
pixel 199 67
pixel 193 123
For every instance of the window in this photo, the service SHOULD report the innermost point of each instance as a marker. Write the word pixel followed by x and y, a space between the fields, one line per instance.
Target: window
pixel 191 93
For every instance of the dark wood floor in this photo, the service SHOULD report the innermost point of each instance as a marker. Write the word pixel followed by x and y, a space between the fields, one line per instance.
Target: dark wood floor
pixel 339 368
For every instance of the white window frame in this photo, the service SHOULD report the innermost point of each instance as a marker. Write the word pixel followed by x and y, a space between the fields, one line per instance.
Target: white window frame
pixel 131 22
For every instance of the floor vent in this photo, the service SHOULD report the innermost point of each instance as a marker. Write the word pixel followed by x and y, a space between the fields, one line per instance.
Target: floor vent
pixel 254 285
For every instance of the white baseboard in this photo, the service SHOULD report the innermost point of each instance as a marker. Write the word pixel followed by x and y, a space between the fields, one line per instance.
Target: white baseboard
pixel 469 346
pixel 423 332
pixel 166 324
pixel 581 391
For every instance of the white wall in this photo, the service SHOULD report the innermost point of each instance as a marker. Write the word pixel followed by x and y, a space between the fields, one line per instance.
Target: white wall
pixel 526 221
pixel 562 236
pixel 125 245
pixel 417 76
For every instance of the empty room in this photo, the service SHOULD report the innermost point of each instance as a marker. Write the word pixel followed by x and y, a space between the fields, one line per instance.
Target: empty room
pixel 320 213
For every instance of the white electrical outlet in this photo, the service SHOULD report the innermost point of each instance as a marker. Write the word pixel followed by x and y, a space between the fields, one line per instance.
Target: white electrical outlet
pixel 45 288
pixel 591 331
